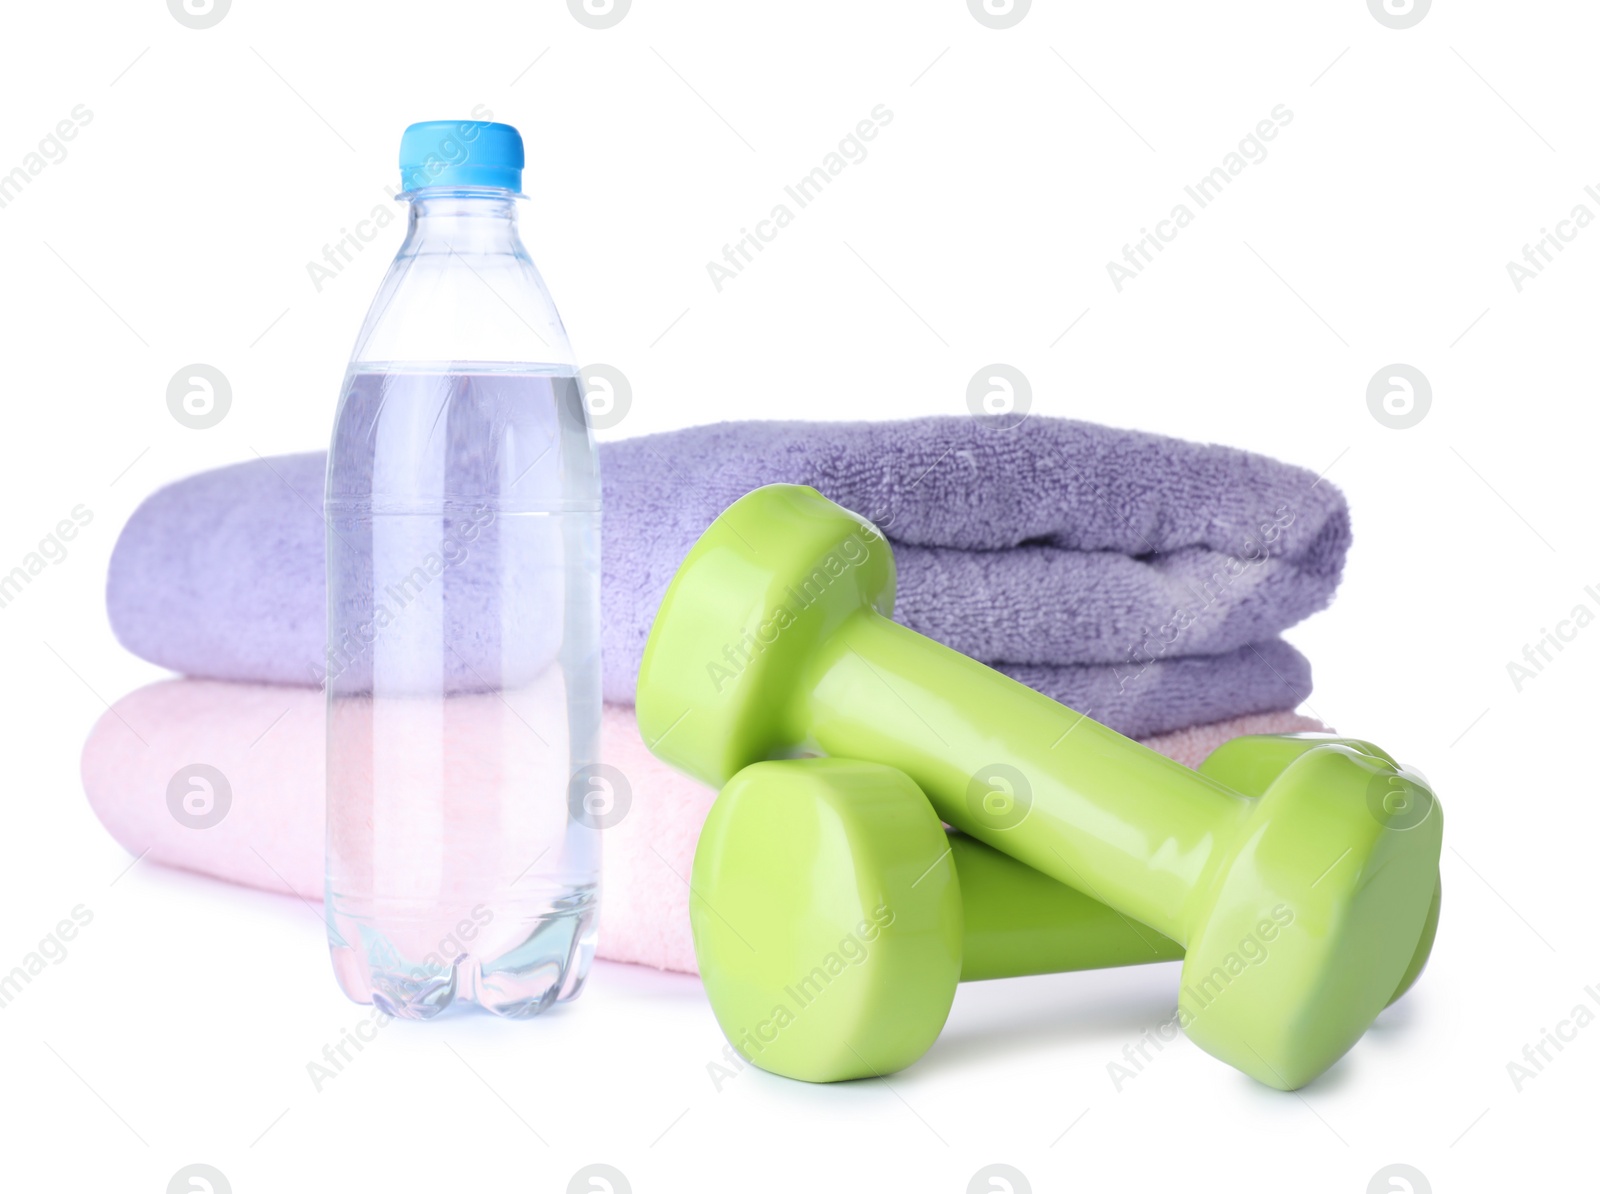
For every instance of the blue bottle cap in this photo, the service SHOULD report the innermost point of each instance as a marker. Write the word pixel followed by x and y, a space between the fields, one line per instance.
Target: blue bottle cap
pixel 460 153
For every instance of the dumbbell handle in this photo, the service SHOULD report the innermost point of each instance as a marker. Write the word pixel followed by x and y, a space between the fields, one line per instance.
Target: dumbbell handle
pixel 1018 921
pixel 1104 814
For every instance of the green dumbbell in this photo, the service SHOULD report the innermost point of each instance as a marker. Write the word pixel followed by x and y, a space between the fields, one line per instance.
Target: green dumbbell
pixel 833 917
pixel 773 638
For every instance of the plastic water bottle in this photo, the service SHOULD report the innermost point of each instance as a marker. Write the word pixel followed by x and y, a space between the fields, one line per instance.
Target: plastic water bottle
pixel 463 669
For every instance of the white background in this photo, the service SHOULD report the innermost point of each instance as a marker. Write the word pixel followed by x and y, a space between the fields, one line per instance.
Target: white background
pixel 218 162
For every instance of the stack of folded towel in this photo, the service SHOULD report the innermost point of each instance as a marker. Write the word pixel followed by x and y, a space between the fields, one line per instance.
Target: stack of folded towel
pixel 1139 579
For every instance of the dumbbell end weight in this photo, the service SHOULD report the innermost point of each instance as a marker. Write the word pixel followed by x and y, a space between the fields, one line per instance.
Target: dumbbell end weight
pixel 1315 922
pixel 1252 762
pixel 773 578
pixel 827 919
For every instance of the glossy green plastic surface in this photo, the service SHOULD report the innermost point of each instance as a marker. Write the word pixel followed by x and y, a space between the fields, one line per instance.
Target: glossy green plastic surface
pixel 1020 921
pixel 1301 910
pixel 835 875
pixel 1249 764
pixel 833 917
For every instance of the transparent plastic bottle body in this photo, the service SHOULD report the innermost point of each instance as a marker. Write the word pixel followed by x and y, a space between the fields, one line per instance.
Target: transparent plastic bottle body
pixel 463 669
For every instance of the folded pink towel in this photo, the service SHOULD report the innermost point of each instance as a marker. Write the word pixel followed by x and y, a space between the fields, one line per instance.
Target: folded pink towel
pixel 265 742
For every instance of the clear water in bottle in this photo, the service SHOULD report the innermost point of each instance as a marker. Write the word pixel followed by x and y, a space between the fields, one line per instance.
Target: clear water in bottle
pixel 463 511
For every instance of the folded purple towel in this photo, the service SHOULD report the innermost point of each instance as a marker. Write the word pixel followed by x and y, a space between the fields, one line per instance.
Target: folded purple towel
pixel 1140 577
